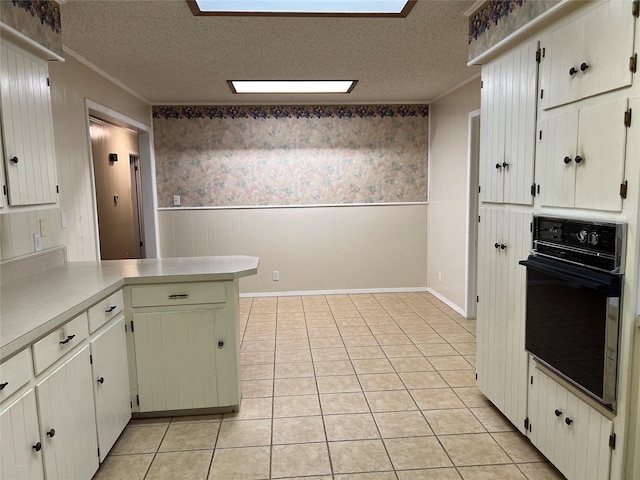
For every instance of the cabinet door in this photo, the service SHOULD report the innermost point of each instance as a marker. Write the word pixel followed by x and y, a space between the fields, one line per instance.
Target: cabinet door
pixel 20 454
pixel 573 435
pixel 555 167
pixel 27 128
pixel 110 385
pixel 562 53
pixel 180 363
pixel 68 421
pixel 601 145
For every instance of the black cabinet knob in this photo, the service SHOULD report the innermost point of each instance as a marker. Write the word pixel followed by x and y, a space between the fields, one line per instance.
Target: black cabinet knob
pixel 101 380
pixel 505 164
pixel 578 159
pixel 220 344
pixel 14 160
pixel 557 412
pixel 502 246
pixel 497 245
pixel 572 71
pixel 567 160
pixel 498 166
pixel 568 421
pixel 51 433
pixel 69 338
pixel 4 384
pixel 584 66
pixel 37 447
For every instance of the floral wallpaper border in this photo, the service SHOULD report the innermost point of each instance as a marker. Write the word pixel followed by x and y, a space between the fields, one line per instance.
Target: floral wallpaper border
pixel 288 111
pixel 39 20
pixel 500 18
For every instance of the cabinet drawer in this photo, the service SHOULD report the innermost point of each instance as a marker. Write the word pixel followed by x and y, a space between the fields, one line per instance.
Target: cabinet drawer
pixel 58 343
pixel 104 311
pixel 178 294
pixel 14 373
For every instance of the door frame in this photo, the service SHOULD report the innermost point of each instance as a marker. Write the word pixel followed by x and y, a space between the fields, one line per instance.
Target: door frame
pixel 473 171
pixel 147 173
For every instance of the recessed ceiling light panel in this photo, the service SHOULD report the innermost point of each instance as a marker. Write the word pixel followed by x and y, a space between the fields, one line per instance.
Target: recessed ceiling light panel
pixel 292 86
pixel 390 8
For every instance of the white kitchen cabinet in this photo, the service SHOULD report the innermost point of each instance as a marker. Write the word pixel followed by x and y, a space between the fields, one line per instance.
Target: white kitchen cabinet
pixel 68 421
pixel 588 56
pixel 21 448
pixel 501 364
pixel 581 156
pixel 507 127
pixel 27 128
pixel 110 384
pixel 573 435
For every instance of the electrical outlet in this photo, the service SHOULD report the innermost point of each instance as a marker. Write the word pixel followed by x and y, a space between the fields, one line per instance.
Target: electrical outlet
pixel 276 275
pixel 44 227
pixel 36 242
pixel 176 200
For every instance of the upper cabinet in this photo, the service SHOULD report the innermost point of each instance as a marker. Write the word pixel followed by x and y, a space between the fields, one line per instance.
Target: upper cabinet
pixel 27 128
pixel 591 55
pixel 507 128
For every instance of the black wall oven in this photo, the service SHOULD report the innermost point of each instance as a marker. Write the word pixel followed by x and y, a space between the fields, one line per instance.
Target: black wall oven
pixel 574 289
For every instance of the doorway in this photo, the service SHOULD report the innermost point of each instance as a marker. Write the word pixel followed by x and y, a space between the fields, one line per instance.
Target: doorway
pixel 115 153
pixel 472 214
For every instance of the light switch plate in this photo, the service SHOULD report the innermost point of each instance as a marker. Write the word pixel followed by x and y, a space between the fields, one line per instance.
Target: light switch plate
pixel 176 200
pixel 44 227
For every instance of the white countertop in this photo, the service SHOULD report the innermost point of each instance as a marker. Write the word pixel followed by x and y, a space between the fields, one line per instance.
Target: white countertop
pixel 33 306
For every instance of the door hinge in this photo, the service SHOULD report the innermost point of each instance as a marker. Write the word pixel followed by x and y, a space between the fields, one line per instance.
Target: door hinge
pixel 633 63
pixel 531 380
pixel 138 400
pixel 481 83
pixel 612 441
pixel 479 188
pixel 533 190
pixel 538 55
pixel 98 453
pixel 478 218
pixel 57 189
pixel 526 424
pixel 131 405
pixel 540 135
pixel 4 189
pixel 48 84
pixel 477 298
pixel 125 328
pixel 627 118
pixel 541 93
pixel 91 359
pixel 132 330
pixel 635 8
pixel 141 244
pixel 476 375
pixel 531 227
pixel 623 189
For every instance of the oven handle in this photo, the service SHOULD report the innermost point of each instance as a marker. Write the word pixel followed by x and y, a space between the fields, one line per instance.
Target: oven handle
pixel 608 283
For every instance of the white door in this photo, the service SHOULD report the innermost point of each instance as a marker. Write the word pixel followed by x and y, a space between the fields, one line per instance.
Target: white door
pixel 110 385
pixel 68 421
pixel 20 445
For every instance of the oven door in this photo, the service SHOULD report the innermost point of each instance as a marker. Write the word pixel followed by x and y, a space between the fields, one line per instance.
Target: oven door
pixel 572 323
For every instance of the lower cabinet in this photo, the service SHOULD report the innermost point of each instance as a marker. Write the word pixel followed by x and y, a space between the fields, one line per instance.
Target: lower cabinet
pixel 185 359
pixel 110 385
pixel 67 420
pixel 573 435
pixel 21 446
pixel 504 238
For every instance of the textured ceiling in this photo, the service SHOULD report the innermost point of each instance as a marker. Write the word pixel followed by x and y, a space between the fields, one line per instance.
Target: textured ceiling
pixel 165 54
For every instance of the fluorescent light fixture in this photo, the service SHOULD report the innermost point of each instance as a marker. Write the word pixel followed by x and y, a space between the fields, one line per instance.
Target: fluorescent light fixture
pixel 292 86
pixel 399 8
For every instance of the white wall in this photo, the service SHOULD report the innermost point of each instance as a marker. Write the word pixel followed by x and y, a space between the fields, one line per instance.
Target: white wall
pixel 314 248
pixel 71 83
pixel 447 226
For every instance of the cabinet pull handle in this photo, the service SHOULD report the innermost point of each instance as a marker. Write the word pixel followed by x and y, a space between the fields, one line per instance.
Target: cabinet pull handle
pixel 177 296
pixel 584 66
pixel 51 433
pixel 567 160
pixel 557 412
pixel 2 385
pixel 101 380
pixel 37 447
pixel 498 166
pixel 568 421
pixel 110 309
pixel 69 338
pixel 572 71
pixel 578 159
pixel 14 160
pixel 220 344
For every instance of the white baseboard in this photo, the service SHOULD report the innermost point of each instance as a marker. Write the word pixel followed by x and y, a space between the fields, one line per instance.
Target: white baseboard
pixel 335 292
pixel 448 302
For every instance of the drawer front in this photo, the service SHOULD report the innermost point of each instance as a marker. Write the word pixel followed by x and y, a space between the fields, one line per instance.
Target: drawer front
pixel 14 373
pixel 58 343
pixel 104 311
pixel 178 294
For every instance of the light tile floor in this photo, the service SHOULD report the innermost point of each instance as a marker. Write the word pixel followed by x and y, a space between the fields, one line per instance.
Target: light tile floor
pixel 341 387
